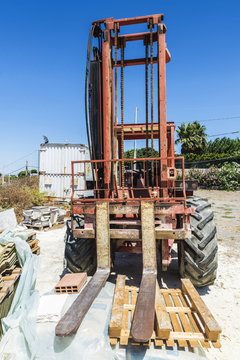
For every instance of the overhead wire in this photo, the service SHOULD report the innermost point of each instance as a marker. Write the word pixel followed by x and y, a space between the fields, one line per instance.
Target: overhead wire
pixel 206 120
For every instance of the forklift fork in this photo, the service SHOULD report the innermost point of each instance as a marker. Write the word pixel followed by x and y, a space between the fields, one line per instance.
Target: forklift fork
pixel 74 316
pixel 143 319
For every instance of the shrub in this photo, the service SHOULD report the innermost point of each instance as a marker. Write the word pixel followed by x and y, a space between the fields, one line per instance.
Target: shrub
pixel 226 178
pixel 21 194
pixel 229 176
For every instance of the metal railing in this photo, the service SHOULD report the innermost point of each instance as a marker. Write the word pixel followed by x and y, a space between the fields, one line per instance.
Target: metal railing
pixel 139 182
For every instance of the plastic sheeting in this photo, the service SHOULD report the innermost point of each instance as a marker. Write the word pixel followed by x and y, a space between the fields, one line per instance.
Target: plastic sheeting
pixel 7 219
pixel 19 326
pixel 27 339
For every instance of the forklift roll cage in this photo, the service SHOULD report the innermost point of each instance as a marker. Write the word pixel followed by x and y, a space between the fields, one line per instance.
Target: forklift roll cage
pixel 146 208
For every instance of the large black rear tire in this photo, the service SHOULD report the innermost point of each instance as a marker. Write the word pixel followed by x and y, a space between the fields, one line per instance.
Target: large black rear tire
pixel 80 254
pixel 198 255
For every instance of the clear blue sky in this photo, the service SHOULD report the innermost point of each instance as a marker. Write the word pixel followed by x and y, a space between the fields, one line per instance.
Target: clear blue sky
pixel 43 56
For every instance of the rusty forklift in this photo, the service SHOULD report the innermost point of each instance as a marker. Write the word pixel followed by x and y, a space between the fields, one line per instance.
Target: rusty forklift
pixel 132 205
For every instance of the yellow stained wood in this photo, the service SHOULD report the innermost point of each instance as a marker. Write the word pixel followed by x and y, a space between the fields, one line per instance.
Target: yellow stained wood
pixel 184 325
pixel 211 326
pixel 115 325
pixel 184 321
pixel 163 324
pixel 125 331
pixel 175 322
pixel 170 343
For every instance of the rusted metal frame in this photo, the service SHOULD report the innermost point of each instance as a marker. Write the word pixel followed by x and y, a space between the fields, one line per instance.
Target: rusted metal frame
pixel 134 234
pixel 125 159
pixel 107 104
pixel 122 161
pixel 122 113
pixel 139 131
pixel 143 125
pixel 144 314
pixel 141 61
pixel 161 45
pixel 166 251
pixel 109 22
pixel 151 79
pixel 136 36
pixel 133 62
pixel 123 199
pixel 184 185
pixel 134 208
pixel 146 99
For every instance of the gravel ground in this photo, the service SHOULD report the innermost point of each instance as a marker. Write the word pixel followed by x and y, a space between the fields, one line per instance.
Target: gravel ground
pixel 222 298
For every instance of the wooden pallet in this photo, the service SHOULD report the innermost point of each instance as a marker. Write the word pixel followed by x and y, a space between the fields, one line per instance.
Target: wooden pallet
pixel 7 283
pixel 181 317
pixel 34 246
pixel 38 227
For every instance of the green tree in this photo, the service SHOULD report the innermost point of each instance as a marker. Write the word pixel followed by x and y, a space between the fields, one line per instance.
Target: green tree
pixel 34 171
pixel 141 153
pixel 23 174
pixel 192 137
pixel 223 145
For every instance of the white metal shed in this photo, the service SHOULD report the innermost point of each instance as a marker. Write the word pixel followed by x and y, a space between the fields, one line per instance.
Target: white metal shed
pixel 55 169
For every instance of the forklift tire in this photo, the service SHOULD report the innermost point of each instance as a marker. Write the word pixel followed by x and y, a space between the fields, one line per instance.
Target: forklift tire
pixel 198 255
pixel 80 254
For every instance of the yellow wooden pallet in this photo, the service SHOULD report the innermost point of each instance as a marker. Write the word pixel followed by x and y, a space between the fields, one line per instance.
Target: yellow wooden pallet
pixel 181 317
pixel 34 246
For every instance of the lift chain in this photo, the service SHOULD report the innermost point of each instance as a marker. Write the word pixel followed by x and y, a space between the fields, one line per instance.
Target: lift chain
pixel 122 119
pixel 146 83
pixel 115 51
pixel 151 62
pixel 115 93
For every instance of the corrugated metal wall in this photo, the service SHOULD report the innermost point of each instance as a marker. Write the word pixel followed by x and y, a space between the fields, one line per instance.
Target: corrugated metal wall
pixel 55 169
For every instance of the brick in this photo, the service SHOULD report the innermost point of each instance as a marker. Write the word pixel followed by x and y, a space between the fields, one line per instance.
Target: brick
pixel 71 283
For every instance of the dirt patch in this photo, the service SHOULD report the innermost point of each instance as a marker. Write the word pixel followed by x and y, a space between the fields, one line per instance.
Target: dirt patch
pixel 223 298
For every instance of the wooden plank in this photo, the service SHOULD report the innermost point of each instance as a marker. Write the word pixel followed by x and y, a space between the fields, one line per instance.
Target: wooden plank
pixel 124 336
pixel 183 318
pixel 179 309
pixel 163 324
pixel 158 342
pixel 175 322
pixel 113 341
pixel 197 327
pixel 216 344
pixel 174 335
pixel 211 326
pixel 115 324
pixel 133 301
pixel 170 343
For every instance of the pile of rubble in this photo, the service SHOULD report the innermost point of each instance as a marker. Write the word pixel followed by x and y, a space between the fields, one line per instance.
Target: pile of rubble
pixel 43 216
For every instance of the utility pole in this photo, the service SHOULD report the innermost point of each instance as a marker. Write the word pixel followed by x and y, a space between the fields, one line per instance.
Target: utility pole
pixel 135 144
pixel 26 171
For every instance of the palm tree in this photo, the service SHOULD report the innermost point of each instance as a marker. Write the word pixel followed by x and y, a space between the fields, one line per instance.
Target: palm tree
pixel 192 137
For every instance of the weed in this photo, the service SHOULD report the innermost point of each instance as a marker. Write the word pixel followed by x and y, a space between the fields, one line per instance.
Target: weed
pixel 21 194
